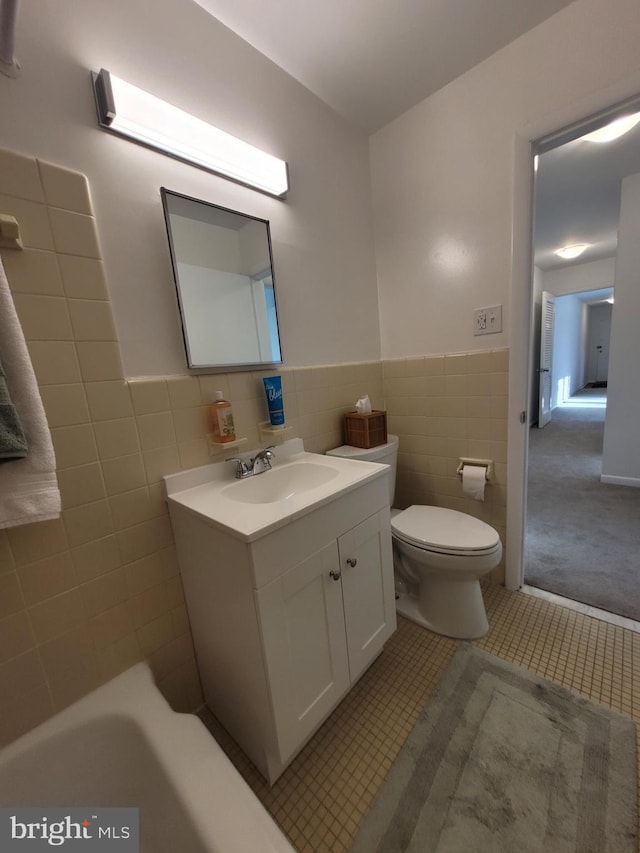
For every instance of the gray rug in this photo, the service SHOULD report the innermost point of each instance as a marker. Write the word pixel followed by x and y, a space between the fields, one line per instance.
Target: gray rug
pixel 505 762
pixel 583 536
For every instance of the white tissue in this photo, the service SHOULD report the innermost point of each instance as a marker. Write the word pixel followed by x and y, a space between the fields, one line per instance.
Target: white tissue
pixel 473 481
pixel 363 405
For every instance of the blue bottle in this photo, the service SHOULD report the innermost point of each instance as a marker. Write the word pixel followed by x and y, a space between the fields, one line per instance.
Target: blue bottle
pixel 273 390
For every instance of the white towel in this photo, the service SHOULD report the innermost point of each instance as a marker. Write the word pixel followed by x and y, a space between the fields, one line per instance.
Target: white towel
pixel 28 487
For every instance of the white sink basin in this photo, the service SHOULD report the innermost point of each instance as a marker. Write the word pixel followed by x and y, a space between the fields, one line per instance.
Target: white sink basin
pixel 279 484
pixel 298 483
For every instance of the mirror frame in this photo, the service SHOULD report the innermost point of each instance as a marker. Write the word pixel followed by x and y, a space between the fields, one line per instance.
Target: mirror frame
pixel 217 367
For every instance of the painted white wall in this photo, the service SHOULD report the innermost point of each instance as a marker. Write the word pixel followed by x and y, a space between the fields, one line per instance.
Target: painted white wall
pixel 206 245
pixel 452 180
pixel 322 234
pixel 443 173
pixel 577 278
pixel 253 248
pixel 620 458
pixel 568 348
pixel 209 299
pixel 452 185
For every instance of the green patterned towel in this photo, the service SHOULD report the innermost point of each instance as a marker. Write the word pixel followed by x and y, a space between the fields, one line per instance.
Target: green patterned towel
pixel 13 444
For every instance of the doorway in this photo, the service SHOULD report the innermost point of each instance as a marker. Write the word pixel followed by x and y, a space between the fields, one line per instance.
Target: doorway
pixel 580 535
pixel 574 345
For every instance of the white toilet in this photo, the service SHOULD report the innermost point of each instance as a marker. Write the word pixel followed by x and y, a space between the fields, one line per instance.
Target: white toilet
pixel 439 557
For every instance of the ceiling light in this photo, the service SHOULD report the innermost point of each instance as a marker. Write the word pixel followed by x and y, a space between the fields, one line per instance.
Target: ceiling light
pixel 613 130
pixel 568 252
pixel 128 111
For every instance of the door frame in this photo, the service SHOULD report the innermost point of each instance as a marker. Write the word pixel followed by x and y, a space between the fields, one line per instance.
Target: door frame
pixel 525 144
pixel 520 357
pixel 547 331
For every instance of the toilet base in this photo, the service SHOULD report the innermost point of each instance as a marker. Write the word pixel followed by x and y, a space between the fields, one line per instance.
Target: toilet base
pixel 451 609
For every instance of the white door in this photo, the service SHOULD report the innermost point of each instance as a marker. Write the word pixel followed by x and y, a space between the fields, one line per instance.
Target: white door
pixel 302 623
pixel 598 340
pixel 366 564
pixel 546 359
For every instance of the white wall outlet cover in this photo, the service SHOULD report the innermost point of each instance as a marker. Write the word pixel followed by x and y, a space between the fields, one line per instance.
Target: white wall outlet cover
pixel 487 321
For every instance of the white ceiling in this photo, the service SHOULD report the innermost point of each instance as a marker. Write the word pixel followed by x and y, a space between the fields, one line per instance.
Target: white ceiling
pixel 578 197
pixel 372 60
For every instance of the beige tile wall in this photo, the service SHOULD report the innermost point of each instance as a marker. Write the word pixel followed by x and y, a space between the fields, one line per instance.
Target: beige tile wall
pixel 85 596
pixel 443 408
pixel 82 597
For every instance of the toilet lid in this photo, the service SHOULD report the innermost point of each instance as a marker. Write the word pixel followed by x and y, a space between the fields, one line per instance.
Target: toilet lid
pixel 446 531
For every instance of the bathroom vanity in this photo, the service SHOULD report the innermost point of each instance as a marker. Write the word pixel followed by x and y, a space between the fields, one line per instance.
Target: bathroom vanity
pixel 288 578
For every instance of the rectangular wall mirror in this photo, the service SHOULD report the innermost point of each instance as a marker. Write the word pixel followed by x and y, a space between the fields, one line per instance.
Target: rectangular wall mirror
pixel 223 270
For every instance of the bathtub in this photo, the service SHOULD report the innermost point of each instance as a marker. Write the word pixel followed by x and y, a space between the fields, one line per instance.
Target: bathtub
pixel 122 745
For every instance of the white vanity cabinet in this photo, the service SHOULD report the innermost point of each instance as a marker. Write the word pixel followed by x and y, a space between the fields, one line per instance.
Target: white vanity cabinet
pixel 284 625
pixel 322 624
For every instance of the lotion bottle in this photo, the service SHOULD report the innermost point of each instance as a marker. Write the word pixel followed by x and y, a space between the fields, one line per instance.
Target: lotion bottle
pixel 222 419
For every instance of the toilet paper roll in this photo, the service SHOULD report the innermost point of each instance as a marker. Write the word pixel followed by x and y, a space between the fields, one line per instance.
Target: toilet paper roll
pixel 474 481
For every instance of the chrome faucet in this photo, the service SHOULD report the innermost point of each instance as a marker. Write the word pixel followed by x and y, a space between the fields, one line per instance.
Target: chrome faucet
pixel 243 469
pixel 247 468
pixel 264 457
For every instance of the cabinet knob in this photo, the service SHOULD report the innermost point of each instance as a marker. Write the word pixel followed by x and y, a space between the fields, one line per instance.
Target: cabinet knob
pixel 334 574
pixel 351 561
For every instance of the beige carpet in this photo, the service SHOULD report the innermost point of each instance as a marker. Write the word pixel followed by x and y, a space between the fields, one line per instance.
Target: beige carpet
pixel 504 761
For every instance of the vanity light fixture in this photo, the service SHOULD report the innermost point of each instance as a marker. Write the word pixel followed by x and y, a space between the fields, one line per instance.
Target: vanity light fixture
pixel 569 252
pixel 615 129
pixel 131 112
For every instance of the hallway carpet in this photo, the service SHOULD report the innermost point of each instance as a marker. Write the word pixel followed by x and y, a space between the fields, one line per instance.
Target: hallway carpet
pixel 582 536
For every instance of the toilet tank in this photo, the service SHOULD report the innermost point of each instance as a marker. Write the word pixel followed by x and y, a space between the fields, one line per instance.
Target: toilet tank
pixel 386 454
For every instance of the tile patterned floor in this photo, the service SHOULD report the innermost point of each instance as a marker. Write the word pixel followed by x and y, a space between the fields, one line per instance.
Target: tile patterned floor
pixel 324 794
pixel 603 615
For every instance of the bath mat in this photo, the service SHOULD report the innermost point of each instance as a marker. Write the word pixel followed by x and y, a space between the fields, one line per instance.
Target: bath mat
pixel 502 761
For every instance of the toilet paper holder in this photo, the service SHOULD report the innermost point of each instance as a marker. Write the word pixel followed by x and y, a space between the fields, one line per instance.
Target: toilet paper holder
pixel 480 463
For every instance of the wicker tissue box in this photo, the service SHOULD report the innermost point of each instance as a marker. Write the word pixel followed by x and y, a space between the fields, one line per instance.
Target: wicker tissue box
pixel 365 430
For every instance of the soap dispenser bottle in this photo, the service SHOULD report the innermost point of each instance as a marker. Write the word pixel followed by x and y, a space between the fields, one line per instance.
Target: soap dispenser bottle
pixel 222 419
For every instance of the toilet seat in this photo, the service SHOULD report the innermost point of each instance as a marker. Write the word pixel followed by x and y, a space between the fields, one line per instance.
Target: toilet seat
pixel 445 531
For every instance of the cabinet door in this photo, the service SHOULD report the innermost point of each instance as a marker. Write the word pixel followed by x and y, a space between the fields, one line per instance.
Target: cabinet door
pixel 366 562
pixel 302 622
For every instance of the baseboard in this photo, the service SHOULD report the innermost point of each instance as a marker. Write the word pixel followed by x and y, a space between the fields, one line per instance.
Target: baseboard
pixel 620 481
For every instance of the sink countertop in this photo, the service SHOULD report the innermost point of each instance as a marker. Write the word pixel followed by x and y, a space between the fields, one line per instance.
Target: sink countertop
pixel 201 491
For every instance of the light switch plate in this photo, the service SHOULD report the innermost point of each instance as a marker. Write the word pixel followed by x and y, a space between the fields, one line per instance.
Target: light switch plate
pixel 487 321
